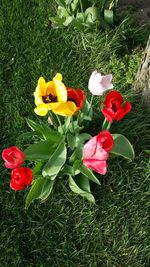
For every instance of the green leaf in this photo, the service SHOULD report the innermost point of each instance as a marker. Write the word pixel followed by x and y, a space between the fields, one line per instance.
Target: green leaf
pixel 85 171
pixel 68 21
pixel 45 132
pixel 81 138
pixel 61 3
pixel 83 182
pixel 37 168
pixel 57 21
pixel 75 188
pixel 109 16
pixel 86 112
pixel 40 189
pixel 66 170
pixel 71 139
pixel 62 12
pixel 40 151
pixel 56 161
pixel 92 14
pixel 76 155
pixel 122 147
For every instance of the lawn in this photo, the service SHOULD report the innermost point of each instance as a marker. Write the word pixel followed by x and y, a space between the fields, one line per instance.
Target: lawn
pixel 67 230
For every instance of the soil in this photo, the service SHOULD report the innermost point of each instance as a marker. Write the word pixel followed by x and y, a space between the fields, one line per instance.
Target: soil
pixel 137 8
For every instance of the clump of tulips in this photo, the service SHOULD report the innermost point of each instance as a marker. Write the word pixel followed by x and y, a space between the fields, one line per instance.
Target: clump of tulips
pixel 62 148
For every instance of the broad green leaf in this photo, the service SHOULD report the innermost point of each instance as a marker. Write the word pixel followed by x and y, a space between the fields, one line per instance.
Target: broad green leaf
pixel 40 151
pixel 85 171
pixel 40 189
pixel 37 168
pixel 57 21
pixel 66 170
pixel 81 138
pixel 76 155
pixel 27 135
pixel 71 139
pixel 122 147
pixel 61 3
pixel 92 14
pixel 44 131
pixel 56 161
pixel 83 182
pixel 68 21
pixel 75 188
pixel 109 16
pixel 68 2
pixel 62 12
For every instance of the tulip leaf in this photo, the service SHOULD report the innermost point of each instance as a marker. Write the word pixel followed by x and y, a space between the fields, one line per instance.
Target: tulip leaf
pixel 85 171
pixel 44 131
pixel 40 189
pixel 76 155
pixel 109 16
pixel 61 3
pixel 86 112
pixel 40 151
pixel 56 161
pixel 83 182
pixel 77 190
pixel 122 147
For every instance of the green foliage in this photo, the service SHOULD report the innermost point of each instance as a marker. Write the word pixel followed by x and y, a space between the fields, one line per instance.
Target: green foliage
pixel 83 15
pixel 122 147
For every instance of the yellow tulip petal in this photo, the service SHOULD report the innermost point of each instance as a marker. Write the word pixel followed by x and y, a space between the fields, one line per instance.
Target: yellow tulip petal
pixel 41 87
pixel 58 77
pixel 38 99
pixel 60 88
pixel 41 110
pixel 50 88
pixel 65 109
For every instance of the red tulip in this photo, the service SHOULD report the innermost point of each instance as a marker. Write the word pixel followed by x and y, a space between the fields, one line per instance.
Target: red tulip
pixel 20 178
pixel 77 96
pixel 114 107
pixel 95 152
pixel 13 157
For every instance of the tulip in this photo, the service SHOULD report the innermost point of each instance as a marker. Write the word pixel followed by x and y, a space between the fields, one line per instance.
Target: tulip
pixel 95 152
pixel 114 107
pixel 52 95
pixel 20 178
pixel 13 157
pixel 77 96
pixel 98 83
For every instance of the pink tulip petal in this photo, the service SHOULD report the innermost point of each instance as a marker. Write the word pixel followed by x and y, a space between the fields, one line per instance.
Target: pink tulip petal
pixel 96 165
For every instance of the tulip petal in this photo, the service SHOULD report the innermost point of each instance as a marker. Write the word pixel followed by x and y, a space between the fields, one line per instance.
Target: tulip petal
pixel 60 88
pixel 106 82
pixel 99 166
pixel 65 108
pixel 41 87
pixel 42 110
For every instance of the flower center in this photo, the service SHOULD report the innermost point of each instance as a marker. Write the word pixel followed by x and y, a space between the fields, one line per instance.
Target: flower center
pixel 49 98
pixel 114 108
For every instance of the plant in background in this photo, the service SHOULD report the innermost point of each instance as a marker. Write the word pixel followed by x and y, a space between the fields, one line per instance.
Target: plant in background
pixel 83 14
pixel 61 148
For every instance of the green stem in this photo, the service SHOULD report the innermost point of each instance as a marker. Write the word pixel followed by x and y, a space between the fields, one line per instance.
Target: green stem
pixel 106 125
pixel 91 101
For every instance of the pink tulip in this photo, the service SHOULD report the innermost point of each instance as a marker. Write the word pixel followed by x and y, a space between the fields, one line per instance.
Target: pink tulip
pixel 95 152
pixel 98 83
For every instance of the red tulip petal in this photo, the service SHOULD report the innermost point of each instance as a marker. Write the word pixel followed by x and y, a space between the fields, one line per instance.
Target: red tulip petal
pixel 113 95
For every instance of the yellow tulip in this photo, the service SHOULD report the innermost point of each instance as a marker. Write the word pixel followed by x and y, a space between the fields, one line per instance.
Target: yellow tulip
pixel 52 95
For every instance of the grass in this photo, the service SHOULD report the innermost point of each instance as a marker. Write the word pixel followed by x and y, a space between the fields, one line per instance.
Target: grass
pixel 67 230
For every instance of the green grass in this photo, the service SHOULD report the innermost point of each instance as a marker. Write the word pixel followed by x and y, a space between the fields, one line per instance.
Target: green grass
pixel 67 230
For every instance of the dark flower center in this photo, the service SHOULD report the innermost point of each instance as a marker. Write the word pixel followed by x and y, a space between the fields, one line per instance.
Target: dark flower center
pixel 114 108
pixel 49 98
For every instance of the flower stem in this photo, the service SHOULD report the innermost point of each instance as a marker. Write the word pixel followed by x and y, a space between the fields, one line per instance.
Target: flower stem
pixel 106 125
